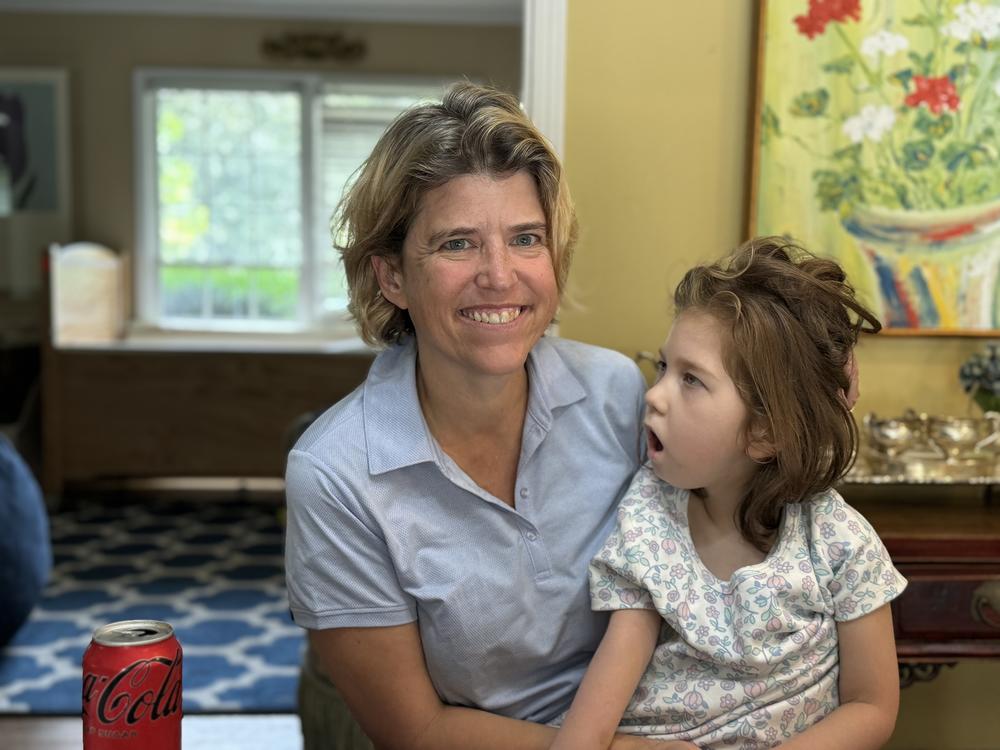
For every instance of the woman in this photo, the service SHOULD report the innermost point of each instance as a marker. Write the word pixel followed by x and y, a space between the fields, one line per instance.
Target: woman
pixel 441 517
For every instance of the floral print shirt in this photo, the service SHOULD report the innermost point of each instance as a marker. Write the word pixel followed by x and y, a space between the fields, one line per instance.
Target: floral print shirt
pixel 749 662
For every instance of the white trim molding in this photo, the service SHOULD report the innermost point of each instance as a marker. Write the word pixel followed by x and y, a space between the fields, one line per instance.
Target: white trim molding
pixel 474 12
pixel 543 67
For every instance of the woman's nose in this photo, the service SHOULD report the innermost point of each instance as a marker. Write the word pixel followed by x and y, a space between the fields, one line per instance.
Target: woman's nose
pixel 496 269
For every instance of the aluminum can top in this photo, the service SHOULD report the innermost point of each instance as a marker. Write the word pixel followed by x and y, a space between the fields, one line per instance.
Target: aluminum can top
pixel 133 632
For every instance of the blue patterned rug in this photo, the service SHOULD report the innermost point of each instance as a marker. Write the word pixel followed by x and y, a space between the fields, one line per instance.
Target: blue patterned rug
pixel 212 569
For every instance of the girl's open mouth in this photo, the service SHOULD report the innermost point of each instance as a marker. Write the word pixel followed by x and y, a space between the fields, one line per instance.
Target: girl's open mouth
pixel 655 446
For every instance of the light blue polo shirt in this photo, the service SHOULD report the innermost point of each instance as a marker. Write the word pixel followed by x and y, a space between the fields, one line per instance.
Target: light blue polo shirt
pixel 384 528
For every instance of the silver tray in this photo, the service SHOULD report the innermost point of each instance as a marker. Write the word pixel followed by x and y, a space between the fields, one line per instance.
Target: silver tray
pixel 923 468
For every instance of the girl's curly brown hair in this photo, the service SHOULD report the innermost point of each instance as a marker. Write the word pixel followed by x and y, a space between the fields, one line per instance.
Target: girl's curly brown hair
pixel 790 322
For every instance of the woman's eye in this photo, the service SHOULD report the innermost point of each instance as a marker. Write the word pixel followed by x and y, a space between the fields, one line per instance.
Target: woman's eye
pixel 661 368
pixel 457 244
pixel 527 240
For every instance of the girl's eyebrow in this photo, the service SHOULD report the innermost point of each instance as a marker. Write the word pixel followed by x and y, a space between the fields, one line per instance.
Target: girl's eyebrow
pixel 686 364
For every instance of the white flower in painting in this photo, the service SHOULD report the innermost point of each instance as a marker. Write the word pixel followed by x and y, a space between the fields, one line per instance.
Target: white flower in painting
pixel 883 43
pixel 872 122
pixel 973 18
pixel 996 87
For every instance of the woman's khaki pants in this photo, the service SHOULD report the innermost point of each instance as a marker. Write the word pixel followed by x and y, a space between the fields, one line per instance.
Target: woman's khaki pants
pixel 326 722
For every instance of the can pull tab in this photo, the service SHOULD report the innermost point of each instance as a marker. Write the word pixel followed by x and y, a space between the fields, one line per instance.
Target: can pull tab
pixel 138 632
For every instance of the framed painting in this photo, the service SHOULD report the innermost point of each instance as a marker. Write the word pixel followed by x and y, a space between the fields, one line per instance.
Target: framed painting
pixel 35 204
pixel 877 142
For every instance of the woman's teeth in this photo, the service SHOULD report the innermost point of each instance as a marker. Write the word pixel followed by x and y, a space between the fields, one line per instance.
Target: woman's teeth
pixel 494 317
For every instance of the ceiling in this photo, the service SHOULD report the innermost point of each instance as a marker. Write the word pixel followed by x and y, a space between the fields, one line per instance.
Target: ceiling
pixel 499 12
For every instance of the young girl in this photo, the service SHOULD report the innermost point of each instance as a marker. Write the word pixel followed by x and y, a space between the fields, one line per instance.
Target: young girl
pixel 749 600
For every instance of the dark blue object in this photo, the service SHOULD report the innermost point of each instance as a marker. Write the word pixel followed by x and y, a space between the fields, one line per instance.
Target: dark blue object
pixel 25 551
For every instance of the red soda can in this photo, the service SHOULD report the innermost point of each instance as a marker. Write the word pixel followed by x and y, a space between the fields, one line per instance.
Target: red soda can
pixel 132 687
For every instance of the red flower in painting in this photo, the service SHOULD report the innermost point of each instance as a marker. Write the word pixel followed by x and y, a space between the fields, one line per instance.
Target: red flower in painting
pixel 822 12
pixel 937 93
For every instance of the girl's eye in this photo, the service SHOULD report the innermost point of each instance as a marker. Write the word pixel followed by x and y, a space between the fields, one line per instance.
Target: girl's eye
pixel 690 379
pixel 457 244
pixel 527 240
pixel 661 368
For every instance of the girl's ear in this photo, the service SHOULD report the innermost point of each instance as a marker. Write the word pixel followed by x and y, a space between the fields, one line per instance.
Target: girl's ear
pixel 760 446
pixel 390 280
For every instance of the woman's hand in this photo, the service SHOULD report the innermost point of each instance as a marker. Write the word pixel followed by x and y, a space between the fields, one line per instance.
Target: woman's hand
pixel 380 673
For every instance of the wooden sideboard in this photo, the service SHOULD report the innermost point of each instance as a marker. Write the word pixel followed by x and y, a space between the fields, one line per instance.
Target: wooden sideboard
pixel 129 412
pixel 946 541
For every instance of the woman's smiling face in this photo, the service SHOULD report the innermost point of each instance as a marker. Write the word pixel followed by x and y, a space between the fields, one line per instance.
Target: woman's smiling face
pixel 476 275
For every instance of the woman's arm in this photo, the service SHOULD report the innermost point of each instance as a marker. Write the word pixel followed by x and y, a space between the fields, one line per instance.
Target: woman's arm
pixel 869 689
pixel 382 676
pixel 610 680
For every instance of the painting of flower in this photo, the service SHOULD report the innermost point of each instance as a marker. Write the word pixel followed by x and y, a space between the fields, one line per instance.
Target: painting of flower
pixel 877 142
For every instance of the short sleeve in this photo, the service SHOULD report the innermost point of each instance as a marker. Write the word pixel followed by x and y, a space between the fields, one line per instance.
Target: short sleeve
pixel 615 579
pixel 337 566
pixel 639 395
pixel 851 562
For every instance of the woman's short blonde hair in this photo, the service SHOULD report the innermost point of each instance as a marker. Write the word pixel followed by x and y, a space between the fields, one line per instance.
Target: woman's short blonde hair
pixel 474 130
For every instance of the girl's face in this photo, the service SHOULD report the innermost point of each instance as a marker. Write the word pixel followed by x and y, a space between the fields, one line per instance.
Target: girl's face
pixel 696 421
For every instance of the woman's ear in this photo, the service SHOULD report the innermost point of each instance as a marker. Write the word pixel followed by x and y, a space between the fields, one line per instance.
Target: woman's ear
pixel 760 446
pixel 390 280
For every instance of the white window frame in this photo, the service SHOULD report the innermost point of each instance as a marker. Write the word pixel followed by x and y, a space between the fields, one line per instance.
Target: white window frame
pixel 311 320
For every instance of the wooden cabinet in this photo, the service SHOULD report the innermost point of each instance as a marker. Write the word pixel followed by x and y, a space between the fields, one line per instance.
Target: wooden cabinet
pixel 125 412
pixel 946 541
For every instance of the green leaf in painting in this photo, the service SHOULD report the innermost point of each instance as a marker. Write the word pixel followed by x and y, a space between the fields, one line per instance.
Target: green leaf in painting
pixel 842 65
pixel 961 73
pixel 917 155
pixel 903 196
pixel 852 153
pixel 810 103
pixel 936 127
pixel 832 189
pixel 920 20
pixel 902 77
pixel 922 62
pixel 960 155
pixel 770 124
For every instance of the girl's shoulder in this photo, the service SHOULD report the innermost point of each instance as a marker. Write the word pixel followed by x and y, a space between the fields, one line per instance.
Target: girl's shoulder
pixel 835 530
pixel 830 506
pixel 648 493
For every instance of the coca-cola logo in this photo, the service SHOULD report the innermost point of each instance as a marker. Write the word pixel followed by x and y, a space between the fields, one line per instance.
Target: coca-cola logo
pixel 134 692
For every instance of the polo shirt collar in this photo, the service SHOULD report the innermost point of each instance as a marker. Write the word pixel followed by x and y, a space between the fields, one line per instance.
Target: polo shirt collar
pixel 551 383
pixel 396 434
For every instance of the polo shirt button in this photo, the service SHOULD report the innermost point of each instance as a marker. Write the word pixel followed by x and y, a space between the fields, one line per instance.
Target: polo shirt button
pixel 524 492
pixel 532 536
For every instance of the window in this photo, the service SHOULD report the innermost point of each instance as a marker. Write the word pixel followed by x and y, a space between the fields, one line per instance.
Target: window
pixel 239 175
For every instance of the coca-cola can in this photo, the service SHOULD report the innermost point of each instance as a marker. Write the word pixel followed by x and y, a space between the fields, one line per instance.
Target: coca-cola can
pixel 132 687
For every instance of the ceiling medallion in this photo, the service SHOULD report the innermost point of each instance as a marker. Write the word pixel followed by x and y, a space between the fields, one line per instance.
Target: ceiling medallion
pixel 314 47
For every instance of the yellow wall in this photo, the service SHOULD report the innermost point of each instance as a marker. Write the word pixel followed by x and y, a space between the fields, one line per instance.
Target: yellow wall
pixel 101 51
pixel 657 117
